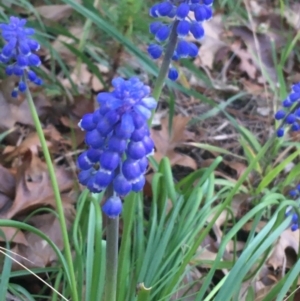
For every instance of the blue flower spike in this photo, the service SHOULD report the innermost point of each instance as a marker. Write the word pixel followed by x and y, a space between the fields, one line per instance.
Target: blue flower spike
pixel 290 120
pixel 290 211
pixel 18 53
pixel 179 13
pixel 119 142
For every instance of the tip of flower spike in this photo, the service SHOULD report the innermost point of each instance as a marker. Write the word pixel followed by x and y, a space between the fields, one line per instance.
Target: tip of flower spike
pixel 112 207
pixel 173 74
pixel 14 93
pixel 295 218
pixel 22 86
pixel 280 132
pixel 293 193
pixel 294 227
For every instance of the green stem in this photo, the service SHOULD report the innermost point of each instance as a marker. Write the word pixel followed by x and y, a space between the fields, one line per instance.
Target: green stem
pixel 112 236
pixel 83 40
pixel 57 196
pixel 159 83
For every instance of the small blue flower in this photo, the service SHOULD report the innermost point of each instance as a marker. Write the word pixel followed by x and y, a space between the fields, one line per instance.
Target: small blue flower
pixel 112 207
pixel 197 30
pixel 280 132
pixel 290 211
pixel 163 33
pixel 173 74
pixel 18 53
pixel 183 48
pixel 179 12
pixel 154 27
pixel 119 142
pixel 193 50
pixel 183 28
pixel 291 118
pixel 155 51
pixel 164 9
pixel 280 115
pixel 290 113
pixel 182 11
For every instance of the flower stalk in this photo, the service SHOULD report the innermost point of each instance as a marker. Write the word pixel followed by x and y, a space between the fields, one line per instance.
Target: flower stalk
pixel 57 196
pixel 112 238
pixel 159 83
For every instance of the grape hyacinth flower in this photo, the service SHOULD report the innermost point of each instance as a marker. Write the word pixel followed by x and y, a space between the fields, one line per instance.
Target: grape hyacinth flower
pixel 295 194
pixel 179 12
pixel 119 142
pixel 18 53
pixel 290 118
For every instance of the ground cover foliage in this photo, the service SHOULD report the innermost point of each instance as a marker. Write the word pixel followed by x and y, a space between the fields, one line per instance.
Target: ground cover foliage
pixel 211 223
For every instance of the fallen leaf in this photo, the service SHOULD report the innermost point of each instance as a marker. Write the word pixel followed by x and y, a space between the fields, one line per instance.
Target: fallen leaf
pixel 288 239
pixel 33 186
pixel 13 235
pixel 259 48
pixel 189 285
pixel 165 145
pixel 55 13
pixel 59 44
pixel 246 64
pixel 211 42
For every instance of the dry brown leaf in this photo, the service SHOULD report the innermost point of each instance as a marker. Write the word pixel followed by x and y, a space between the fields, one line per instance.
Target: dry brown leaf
pixel 67 55
pixel 211 42
pixel 165 145
pixel 292 15
pixel 55 13
pixel 33 186
pixel 288 239
pixel 259 48
pixel 246 64
pixel 17 110
pixel 80 76
pixel 14 235
pixel 7 188
pixel 39 252
pixel 190 285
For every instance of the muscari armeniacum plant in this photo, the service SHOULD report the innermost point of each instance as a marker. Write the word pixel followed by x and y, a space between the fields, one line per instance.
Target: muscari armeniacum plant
pixel 18 53
pixel 19 58
pixel 174 21
pixel 289 116
pixel 117 133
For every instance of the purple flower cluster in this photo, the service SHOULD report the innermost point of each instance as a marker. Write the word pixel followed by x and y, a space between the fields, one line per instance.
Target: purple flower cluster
pixel 18 52
pixel 178 11
pixel 295 194
pixel 119 142
pixel 290 119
